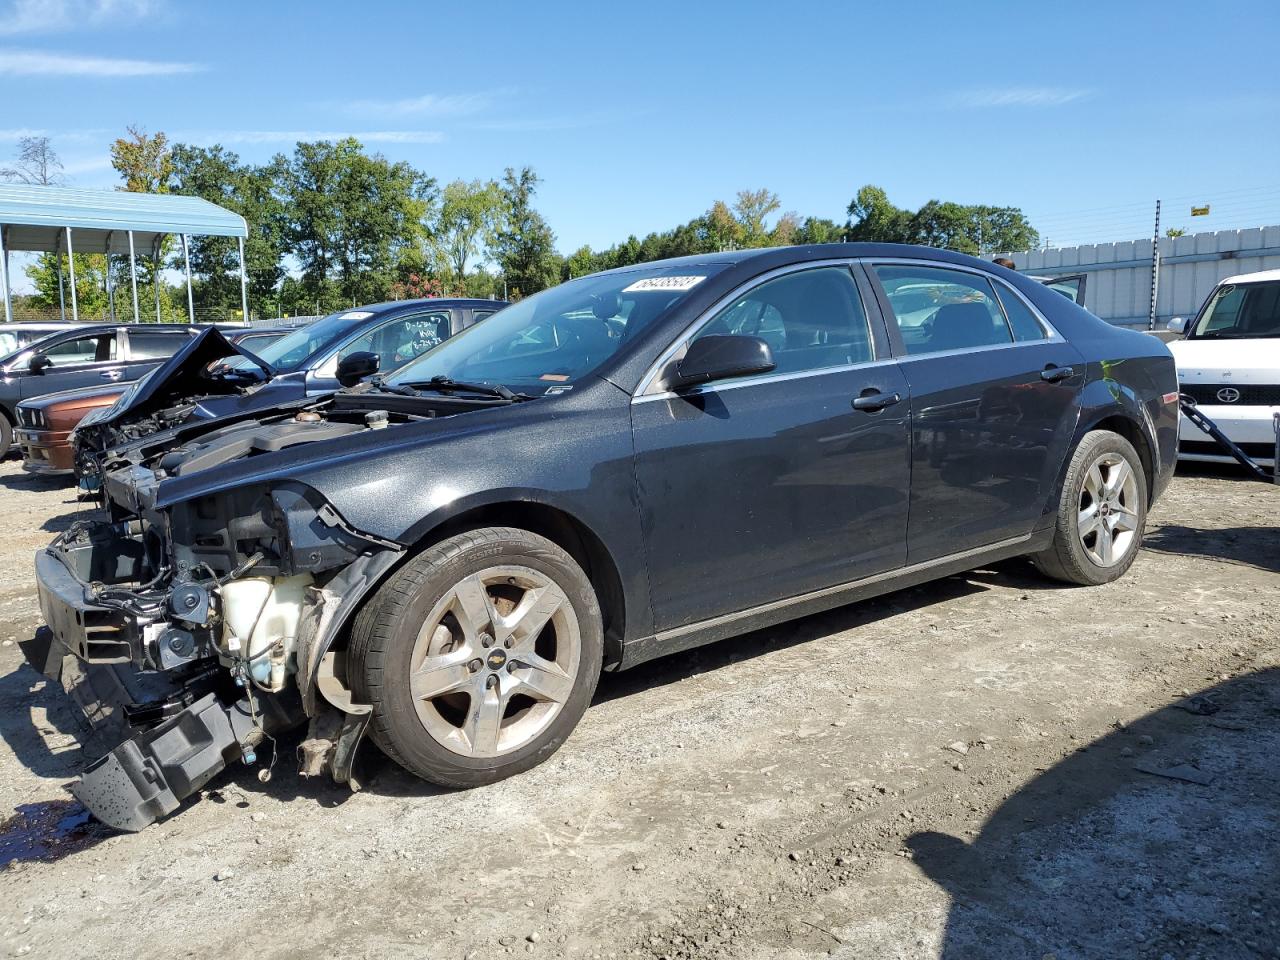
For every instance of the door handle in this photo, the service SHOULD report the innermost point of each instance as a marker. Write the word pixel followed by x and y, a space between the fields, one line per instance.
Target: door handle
pixel 1052 374
pixel 875 400
pixel 111 374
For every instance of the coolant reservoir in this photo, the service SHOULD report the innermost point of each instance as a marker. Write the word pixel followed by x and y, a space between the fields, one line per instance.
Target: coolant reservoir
pixel 260 622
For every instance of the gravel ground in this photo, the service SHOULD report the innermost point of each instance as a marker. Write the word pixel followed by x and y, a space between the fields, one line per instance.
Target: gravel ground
pixel 980 767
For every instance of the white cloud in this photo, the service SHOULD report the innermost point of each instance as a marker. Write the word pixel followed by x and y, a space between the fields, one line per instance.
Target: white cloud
pixel 14 135
pixel 292 136
pixel 427 105
pixel 1021 97
pixel 54 16
pixel 32 63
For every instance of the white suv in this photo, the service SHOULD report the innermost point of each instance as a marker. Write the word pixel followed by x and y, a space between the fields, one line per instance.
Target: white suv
pixel 1229 363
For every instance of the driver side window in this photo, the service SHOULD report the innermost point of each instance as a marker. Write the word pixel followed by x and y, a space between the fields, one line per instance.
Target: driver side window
pixel 402 339
pixel 83 350
pixel 811 320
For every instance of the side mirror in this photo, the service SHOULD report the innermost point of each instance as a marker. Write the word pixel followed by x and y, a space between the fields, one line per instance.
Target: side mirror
pixel 354 367
pixel 39 363
pixel 719 358
pixel 1177 325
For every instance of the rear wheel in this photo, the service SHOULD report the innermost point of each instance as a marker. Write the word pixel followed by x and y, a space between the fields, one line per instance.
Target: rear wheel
pixel 1102 513
pixel 6 436
pixel 479 657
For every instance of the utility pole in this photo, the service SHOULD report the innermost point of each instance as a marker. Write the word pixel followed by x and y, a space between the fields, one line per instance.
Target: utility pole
pixel 1155 271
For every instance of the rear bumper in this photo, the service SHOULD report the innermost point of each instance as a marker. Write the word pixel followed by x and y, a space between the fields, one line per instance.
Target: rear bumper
pixel 45 451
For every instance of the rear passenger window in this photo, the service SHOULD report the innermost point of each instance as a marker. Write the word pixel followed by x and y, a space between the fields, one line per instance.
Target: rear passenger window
pixel 811 320
pixel 939 309
pixel 155 346
pixel 1025 324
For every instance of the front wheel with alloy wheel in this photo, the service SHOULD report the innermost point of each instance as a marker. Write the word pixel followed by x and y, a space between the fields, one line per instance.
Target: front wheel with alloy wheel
pixel 1102 513
pixel 479 656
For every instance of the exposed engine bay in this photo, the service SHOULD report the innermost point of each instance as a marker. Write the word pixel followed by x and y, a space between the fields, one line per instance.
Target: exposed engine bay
pixel 168 396
pixel 192 633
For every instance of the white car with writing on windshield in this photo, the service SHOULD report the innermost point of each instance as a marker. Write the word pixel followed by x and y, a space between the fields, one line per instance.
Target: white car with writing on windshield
pixel 1229 363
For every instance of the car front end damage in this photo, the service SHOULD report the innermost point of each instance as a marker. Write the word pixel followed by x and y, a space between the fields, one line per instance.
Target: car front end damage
pixel 192 634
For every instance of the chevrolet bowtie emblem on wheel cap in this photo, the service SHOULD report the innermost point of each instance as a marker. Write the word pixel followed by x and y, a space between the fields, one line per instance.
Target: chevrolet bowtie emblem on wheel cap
pixel 1228 394
pixel 496 659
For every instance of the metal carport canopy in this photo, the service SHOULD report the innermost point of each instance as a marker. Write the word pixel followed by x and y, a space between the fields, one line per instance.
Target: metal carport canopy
pixel 63 220
pixel 35 217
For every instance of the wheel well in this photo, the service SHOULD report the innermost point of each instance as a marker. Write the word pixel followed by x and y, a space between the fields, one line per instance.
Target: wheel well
pixel 570 535
pixel 1130 430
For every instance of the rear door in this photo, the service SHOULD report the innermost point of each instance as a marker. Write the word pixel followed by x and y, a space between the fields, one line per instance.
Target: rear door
pixel 147 349
pixel 994 402
pixel 766 487
pixel 90 360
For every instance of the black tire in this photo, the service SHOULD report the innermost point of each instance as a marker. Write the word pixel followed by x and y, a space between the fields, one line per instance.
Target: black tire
pixel 385 631
pixel 1067 558
pixel 6 435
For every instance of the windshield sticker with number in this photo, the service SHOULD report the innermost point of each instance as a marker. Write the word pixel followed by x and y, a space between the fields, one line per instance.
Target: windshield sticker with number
pixel 672 284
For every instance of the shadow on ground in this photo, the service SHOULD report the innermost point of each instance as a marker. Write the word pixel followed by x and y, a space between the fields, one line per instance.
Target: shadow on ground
pixel 1253 546
pixel 1160 839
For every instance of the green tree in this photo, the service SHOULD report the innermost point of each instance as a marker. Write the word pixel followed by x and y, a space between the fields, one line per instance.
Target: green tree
pixel 874 219
pixel 750 209
pixel 968 228
pixel 348 216
pixel 217 175
pixel 465 223
pixel 579 263
pixel 523 244
pixel 145 162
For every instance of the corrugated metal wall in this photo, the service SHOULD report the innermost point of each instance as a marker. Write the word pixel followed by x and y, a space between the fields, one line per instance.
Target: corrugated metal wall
pixel 1119 284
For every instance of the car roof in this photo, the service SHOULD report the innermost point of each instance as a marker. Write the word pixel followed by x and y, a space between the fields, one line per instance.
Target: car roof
pixel 389 305
pixel 1262 276
pixel 781 256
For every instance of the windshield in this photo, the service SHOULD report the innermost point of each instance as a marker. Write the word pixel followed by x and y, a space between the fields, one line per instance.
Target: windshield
pixel 293 350
pixel 1240 311
pixel 547 342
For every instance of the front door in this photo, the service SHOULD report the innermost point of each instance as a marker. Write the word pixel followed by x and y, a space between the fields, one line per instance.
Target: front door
pixel 995 399
pixel 767 487
pixel 85 361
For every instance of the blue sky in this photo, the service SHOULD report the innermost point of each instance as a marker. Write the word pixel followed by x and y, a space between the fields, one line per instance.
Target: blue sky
pixel 638 116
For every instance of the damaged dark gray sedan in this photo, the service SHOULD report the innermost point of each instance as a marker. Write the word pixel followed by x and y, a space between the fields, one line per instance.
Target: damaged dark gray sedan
pixel 624 466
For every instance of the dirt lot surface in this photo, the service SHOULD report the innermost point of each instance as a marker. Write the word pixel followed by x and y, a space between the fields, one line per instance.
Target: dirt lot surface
pixel 988 766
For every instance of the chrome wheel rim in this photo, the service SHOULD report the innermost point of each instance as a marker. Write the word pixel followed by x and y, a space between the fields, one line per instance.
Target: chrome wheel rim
pixel 495 661
pixel 1108 519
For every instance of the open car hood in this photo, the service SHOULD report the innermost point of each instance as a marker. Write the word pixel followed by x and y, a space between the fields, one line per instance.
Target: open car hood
pixel 181 376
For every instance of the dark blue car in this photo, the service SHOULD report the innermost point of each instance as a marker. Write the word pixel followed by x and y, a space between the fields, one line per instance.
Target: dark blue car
pixel 212 378
pixel 620 467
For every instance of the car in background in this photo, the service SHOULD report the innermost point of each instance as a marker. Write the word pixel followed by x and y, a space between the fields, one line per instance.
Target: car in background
pixel 1072 287
pixel 99 354
pixel 1229 364
pixel 45 424
pixel 310 361
pixel 626 465
pixel 15 336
